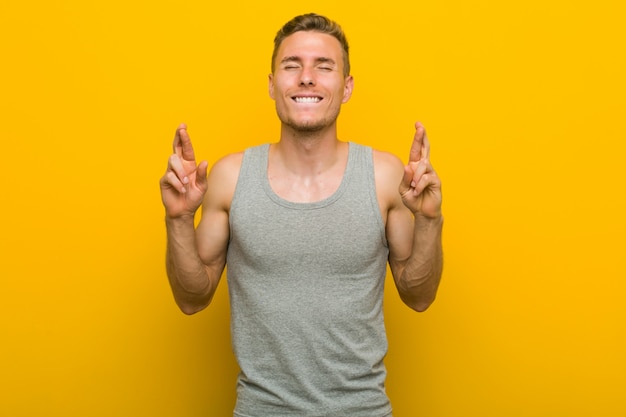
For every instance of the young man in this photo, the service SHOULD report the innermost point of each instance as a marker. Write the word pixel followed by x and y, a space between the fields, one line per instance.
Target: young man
pixel 306 226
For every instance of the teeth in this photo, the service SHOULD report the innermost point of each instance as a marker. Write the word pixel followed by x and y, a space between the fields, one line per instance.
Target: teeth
pixel 307 99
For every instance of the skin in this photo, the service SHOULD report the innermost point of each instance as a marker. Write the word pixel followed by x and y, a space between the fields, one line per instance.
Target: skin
pixel 305 165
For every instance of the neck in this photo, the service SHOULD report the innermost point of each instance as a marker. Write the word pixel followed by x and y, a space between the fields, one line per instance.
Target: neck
pixel 309 167
pixel 308 153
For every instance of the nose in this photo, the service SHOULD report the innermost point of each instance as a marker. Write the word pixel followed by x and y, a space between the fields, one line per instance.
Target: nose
pixel 306 79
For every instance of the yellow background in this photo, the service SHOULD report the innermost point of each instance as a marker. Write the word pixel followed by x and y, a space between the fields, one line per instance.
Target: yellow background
pixel 524 103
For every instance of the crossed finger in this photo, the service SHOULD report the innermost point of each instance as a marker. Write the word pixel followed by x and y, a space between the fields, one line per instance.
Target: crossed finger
pixel 423 176
pixel 182 144
pixel 420 148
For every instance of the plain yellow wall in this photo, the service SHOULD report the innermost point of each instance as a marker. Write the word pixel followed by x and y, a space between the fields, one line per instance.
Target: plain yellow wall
pixel 524 103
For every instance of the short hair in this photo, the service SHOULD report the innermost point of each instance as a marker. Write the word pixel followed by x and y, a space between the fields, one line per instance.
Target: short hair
pixel 312 22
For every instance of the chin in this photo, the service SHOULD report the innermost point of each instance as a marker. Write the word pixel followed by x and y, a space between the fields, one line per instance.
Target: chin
pixel 308 126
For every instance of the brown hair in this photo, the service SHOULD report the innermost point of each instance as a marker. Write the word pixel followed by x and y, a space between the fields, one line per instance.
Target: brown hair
pixel 312 22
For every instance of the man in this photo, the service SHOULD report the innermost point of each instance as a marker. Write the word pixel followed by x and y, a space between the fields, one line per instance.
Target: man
pixel 306 226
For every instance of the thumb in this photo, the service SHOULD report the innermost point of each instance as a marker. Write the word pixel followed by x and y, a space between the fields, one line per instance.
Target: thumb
pixel 407 179
pixel 201 175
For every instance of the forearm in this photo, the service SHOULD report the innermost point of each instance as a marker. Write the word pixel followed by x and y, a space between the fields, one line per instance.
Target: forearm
pixel 421 273
pixel 188 276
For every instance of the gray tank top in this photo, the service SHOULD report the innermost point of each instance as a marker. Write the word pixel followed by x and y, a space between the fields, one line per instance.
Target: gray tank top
pixel 306 290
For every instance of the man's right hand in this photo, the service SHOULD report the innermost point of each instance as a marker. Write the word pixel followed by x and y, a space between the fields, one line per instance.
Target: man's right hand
pixel 184 184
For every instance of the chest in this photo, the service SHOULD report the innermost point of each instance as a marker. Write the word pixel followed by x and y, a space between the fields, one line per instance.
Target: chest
pixel 304 189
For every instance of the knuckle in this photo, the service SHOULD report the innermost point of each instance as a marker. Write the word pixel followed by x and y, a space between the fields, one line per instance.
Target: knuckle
pixel 172 179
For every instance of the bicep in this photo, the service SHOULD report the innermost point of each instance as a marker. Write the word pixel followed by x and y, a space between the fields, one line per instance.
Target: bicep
pixel 213 231
pixel 398 218
pixel 399 229
pixel 212 236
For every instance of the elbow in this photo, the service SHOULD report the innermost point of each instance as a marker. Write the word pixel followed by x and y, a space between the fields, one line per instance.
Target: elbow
pixel 192 300
pixel 419 305
pixel 420 293
pixel 191 308
pixel 419 296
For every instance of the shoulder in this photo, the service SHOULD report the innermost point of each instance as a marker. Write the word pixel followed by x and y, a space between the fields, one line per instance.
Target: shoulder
pixel 228 165
pixel 222 180
pixel 387 162
pixel 388 172
pixel 388 169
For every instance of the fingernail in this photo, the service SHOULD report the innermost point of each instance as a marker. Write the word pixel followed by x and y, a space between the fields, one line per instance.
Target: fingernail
pixel 186 180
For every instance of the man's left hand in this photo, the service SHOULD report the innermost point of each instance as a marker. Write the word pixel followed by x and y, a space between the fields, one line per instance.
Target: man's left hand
pixel 421 187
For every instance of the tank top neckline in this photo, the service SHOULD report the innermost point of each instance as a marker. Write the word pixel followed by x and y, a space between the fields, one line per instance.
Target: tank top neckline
pixel 309 205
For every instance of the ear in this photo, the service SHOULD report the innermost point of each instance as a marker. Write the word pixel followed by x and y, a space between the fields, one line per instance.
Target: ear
pixel 271 85
pixel 347 89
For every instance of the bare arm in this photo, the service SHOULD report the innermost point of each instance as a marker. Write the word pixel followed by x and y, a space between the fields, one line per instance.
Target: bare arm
pixel 196 258
pixel 414 224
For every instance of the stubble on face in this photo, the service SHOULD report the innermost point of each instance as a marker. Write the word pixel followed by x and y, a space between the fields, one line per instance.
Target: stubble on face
pixel 314 51
pixel 308 126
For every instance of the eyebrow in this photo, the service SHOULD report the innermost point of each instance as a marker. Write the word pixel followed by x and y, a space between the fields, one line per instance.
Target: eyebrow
pixel 320 60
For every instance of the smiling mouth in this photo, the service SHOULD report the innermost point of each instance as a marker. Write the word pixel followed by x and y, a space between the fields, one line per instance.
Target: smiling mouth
pixel 307 99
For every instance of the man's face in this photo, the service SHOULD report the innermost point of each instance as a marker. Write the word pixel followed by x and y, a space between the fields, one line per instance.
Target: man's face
pixel 308 84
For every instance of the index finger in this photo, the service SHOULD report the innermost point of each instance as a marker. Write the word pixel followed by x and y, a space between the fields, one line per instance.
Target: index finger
pixel 417 147
pixel 182 144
